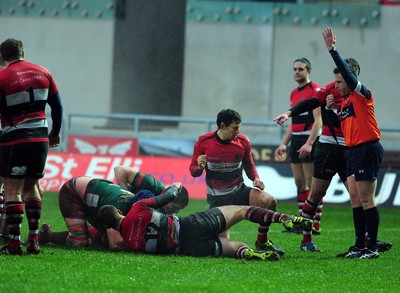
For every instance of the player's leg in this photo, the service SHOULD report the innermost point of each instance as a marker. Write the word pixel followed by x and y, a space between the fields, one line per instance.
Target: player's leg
pixel 233 248
pixel 72 209
pixel 33 210
pixel 265 200
pixel 235 214
pixel 301 185
pixel 310 208
pixel 14 209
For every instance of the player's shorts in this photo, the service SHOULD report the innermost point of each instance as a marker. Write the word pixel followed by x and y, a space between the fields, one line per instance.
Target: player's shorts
pixel 296 143
pixel 71 204
pixel 329 160
pixel 239 197
pixel 145 181
pixel 23 160
pixel 364 160
pixel 199 232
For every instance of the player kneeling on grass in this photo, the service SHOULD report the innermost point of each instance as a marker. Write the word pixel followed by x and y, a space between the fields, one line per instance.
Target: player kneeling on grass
pixel 145 230
pixel 80 200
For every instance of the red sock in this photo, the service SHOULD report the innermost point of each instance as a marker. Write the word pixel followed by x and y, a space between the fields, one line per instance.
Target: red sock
pixel 33 210
pixel 14 217
pixel 309 209
pixel 240 251
pixel 318 215
pixel 301 198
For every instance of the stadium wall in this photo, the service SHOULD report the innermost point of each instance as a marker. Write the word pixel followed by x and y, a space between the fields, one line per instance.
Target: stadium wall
pixel 244 66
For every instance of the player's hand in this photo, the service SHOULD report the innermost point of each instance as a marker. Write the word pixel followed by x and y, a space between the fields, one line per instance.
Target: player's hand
pixel 305 150
pixel 258 183
pixel 282 118
pixel 178 184
pixel 330 102
pixel 329 38
pixel 280 151
pixel 54 139
pixel 202 161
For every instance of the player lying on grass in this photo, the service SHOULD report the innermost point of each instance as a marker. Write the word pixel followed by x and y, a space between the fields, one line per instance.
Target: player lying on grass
pixel 144 229
pixel 80 200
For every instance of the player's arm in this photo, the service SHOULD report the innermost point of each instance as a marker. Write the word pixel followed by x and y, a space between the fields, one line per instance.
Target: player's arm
pixel 251 169
pixel 115 240
pixel 306 149
pixel 124 175
pixel 169 195
pixel 304 106
pixel 198 162
pixel 55 104
pixel 280 150
pixel 344 69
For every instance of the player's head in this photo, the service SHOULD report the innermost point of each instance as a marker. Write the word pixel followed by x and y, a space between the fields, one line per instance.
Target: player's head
pixel 179 203
pixel 227 117
pixel 11 49
pixel 301 71
pixel 354 67
pixel 305 61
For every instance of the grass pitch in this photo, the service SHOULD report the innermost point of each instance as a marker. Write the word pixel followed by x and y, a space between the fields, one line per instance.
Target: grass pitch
pixel 58 269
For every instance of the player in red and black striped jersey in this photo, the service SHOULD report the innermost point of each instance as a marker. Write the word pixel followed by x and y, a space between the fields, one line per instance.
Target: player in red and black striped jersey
pixel 365 153
pixel 301 134
pixel 145 230
pixel 224 155
pixel 25 89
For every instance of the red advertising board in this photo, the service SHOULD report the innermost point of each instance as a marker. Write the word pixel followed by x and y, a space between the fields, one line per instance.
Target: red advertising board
pixel 390 2
pixel 278 179
pixel 102 145
pixel 61 167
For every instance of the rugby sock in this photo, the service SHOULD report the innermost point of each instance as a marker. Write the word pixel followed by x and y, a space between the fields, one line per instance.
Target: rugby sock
pixel 372 223
pixel 1 203
pixel 359 226
pixel 263 216
pixel 262 236
pixel 301 198
pixel 2 214
pixel 241 250
pixel 33 210
pixel 309 209
pixel 14 217
pixel 318 216
pixel 79 233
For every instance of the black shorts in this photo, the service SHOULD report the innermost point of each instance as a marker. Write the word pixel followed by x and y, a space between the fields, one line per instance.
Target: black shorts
pixel 364 161
pixel 295 144
pixel 199 232
pixel 329 160
pixel 23 160
pixel 239 197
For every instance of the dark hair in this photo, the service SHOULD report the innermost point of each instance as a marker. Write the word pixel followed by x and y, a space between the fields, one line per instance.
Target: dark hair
pixel 183 197
pixel 354 66
pixel 305 61
pixel 228 116
pixel 11 49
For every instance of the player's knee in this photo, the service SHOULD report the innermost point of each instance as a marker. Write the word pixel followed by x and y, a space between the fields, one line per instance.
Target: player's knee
pixel 266 201
pixel 272 203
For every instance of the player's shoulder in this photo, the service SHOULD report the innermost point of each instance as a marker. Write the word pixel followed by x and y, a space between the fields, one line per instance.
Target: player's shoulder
pixel 206 136
pixel 243 137
pixel 315 87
